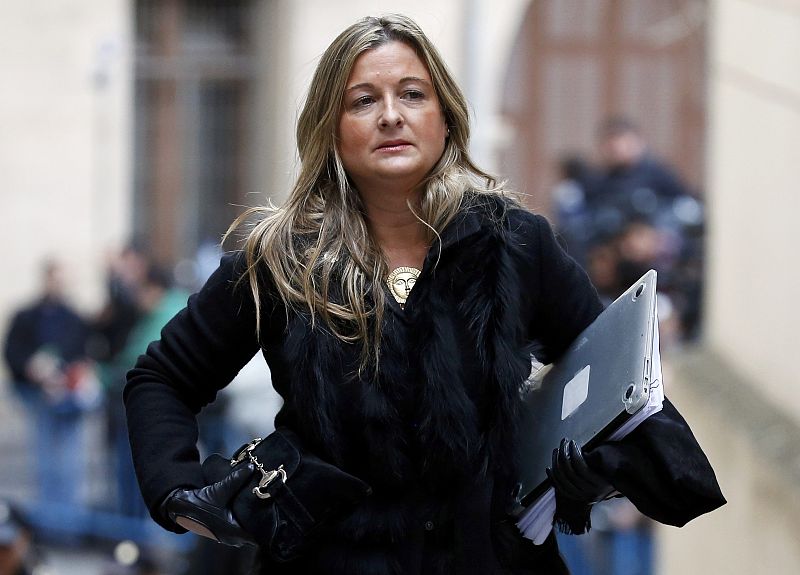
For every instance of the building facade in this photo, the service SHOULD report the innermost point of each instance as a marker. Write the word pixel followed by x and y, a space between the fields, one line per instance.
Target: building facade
pixel 164 118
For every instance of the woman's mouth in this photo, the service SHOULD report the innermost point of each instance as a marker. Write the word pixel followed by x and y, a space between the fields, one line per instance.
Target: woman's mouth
pixel 393 146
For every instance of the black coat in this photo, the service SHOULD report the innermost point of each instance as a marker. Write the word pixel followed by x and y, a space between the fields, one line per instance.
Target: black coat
pixel 432 433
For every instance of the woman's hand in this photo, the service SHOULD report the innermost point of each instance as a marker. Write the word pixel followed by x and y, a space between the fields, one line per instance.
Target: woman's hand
pixel 572 477
pixel 206 511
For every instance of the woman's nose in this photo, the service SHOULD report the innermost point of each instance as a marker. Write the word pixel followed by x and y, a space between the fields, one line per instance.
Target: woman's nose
pixel 390 115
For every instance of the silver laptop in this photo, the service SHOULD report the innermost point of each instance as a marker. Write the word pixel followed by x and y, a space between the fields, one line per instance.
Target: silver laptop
pixel 600 382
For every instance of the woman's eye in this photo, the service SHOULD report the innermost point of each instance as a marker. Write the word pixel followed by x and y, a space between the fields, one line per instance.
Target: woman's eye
pixel 363 101
pixel 414 95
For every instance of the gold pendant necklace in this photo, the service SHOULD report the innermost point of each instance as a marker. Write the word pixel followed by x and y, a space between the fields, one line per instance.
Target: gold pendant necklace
pixel 400 281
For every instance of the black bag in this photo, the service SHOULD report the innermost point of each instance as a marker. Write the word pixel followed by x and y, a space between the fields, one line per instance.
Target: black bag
pixel 291 495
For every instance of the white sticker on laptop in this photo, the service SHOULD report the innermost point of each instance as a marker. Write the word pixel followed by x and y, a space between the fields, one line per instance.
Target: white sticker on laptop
pixel 575 393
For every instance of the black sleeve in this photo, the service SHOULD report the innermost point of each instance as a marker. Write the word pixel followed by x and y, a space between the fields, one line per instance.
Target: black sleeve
pixel 567 301
pixel 564 303
pixel 200 351
pixel 668 182
pixel 661 468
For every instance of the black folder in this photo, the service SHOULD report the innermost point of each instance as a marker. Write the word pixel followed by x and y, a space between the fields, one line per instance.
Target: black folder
pixel 601 381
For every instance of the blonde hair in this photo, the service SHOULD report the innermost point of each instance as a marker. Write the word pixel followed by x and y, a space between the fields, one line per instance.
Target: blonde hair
pixel 318 242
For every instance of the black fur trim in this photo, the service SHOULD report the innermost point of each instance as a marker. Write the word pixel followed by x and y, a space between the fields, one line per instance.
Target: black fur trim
pixel 572 517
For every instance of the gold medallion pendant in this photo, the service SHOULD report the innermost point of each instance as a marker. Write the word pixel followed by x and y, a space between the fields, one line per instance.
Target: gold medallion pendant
pixel 400 282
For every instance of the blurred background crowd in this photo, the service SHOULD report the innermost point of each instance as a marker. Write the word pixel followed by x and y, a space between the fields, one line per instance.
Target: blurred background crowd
pixel 653 134
pixel 67 372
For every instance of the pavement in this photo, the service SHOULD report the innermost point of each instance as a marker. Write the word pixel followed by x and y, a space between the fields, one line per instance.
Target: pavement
pixel 73 562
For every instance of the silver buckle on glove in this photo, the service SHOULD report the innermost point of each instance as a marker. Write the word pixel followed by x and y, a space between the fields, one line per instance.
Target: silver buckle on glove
pixel 267 477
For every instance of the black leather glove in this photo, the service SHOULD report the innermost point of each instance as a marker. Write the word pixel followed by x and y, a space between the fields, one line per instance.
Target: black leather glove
pixel 572 477
pixel 207 510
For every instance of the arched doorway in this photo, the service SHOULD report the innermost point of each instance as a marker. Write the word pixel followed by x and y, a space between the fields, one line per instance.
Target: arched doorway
pixel 577 62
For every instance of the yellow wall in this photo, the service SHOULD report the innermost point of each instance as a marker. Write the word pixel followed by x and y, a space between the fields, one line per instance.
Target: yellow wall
pixel 754 202
pixel 64 143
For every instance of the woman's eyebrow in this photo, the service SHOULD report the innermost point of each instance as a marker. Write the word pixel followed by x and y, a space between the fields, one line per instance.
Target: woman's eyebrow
pixel 370 85
pixel 367 85
pixel 413 79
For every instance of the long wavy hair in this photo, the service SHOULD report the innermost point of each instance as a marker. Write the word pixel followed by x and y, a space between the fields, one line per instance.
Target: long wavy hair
pixel 317 248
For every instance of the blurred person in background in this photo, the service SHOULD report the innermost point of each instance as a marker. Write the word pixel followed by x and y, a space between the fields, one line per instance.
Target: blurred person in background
pixel 576 180
pixel 111 326
pixel 150 288
pixel 631 213
pixel 640 204
pixel 633 183
pixel 602 265
pixel 46 352
pixel 17 555
pixel 125 271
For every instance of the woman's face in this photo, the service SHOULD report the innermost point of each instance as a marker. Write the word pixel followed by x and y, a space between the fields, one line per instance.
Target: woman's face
pixel 391 130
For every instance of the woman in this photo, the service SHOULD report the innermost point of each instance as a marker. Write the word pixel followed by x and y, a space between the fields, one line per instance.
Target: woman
pixel 397 298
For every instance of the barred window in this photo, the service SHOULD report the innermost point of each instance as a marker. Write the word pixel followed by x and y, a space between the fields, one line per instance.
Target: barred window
pixel 194 77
